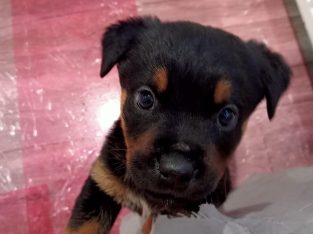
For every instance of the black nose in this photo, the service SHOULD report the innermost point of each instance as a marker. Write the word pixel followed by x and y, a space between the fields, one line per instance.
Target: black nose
pixel 176 168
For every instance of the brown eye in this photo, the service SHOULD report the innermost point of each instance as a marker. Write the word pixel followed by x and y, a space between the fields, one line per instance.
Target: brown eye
pixel 228 117
pixel 145 99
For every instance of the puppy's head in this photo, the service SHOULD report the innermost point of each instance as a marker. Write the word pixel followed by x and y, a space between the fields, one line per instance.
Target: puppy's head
pixel 187 92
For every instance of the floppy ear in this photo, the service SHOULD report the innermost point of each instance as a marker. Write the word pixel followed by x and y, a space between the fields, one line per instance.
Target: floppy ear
pixel 275 75
pixel 119 38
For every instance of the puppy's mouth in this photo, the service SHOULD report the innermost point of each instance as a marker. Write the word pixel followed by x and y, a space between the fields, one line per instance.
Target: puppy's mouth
pixel 177 186
pixel 175 200
pixel 172 204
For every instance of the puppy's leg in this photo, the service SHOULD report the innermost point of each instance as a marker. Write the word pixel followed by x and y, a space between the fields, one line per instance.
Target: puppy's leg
pixel 147 226
pixel 94 211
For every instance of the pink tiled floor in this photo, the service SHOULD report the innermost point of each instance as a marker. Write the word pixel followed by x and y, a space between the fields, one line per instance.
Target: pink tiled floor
pixel 55 111
pixel 64 108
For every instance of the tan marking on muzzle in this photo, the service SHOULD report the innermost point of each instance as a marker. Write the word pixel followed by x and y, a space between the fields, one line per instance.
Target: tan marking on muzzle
pixel 244 126
pixel 217 161
pixel 142 143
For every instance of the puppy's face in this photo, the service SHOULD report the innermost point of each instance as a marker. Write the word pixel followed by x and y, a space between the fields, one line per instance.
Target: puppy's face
pixel 187 92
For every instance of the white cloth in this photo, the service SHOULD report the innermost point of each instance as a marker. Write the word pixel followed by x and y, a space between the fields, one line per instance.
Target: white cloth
pixel 280 203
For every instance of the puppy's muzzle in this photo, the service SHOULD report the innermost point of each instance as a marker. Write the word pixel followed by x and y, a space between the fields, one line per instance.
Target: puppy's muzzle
pixel 178 166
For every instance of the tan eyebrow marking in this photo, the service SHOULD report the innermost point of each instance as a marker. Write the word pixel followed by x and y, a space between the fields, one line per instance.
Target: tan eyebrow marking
pixel 161 79
pixel 222 91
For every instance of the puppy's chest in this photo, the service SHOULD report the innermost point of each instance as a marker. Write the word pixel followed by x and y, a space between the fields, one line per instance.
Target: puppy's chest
pixel 136 204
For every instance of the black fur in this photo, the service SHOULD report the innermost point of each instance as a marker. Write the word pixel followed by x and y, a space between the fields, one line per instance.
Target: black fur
pixel 195 58
pixel 118 39
pixel 92 203
pixel 274 73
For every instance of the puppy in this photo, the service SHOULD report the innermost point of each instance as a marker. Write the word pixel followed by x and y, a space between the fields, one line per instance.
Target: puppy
pixel 187 93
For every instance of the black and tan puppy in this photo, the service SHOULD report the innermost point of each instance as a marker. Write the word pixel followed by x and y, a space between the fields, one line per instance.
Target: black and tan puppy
pixel 187 92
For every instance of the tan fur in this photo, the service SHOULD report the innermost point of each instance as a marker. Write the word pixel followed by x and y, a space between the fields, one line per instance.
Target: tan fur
pixel 124 130
pixel 147 226
pixel 143 143
pixel 114 187
pixel 123 125
pixel 222 91
pixel 244 126
pixel 90 227
pixel 161 79
pixel 123 98
pixel 217 160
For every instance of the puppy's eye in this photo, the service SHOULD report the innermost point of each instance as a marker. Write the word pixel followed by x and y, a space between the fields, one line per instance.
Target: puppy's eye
pixel 145 99
pixel 227 118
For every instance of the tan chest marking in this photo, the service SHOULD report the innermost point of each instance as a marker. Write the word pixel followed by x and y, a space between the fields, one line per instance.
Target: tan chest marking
pixel 112 186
